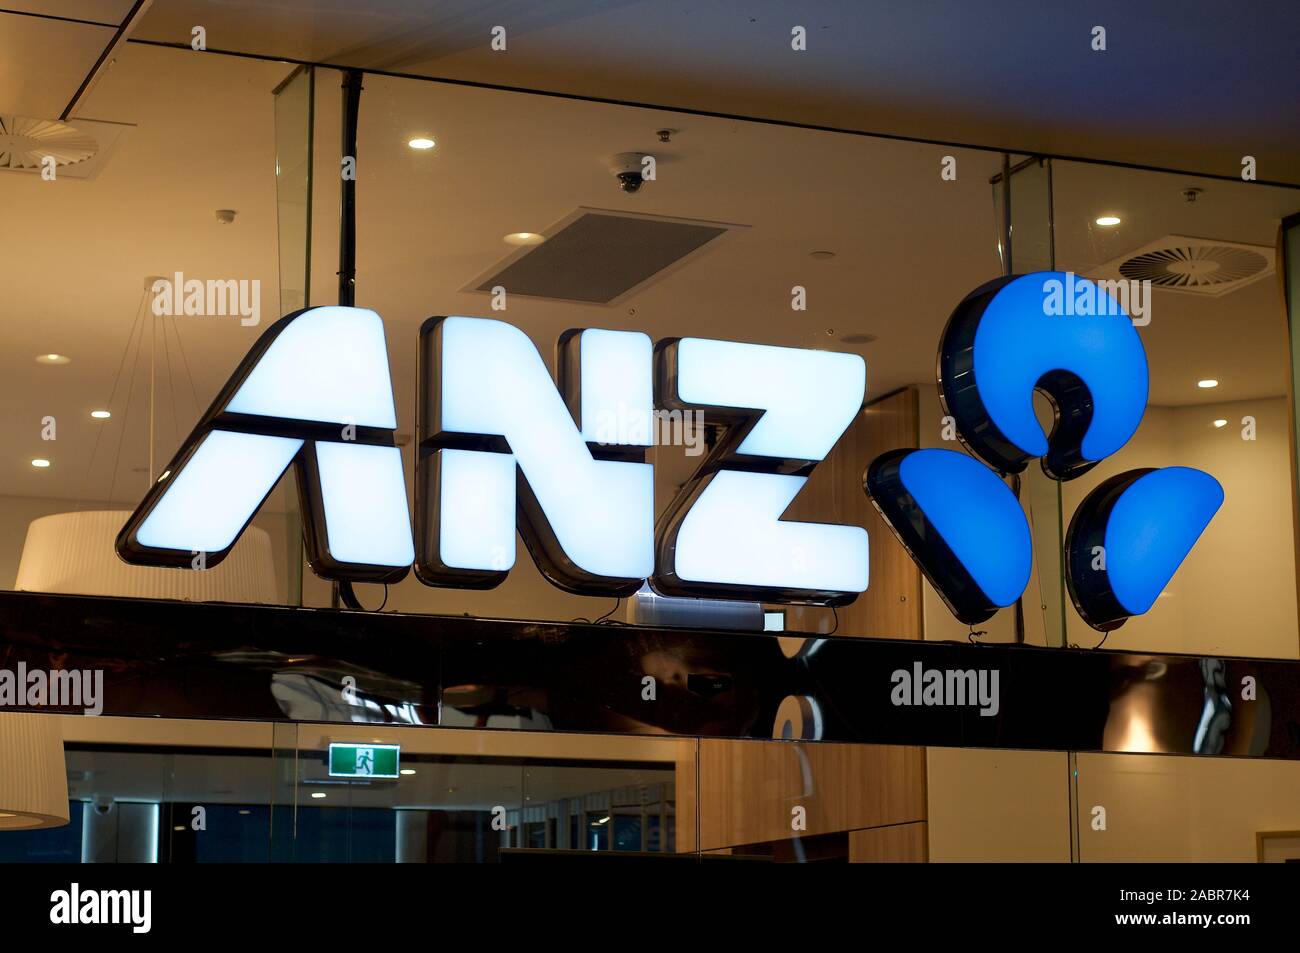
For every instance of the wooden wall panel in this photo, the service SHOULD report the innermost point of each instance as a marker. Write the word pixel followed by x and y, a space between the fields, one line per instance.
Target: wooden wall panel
pixel 891 606
pixel 898 844
pixel 749 788
pixel 686 805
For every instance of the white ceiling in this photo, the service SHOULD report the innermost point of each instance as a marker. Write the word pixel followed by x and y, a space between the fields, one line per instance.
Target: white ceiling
pixel 1193 85
pixel 42 62
pixel 908 244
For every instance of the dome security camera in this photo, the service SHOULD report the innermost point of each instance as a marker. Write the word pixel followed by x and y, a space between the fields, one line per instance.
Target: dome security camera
pixel 628 169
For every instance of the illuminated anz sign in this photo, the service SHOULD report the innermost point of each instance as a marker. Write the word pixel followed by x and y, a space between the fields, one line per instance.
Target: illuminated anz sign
pixel 501 446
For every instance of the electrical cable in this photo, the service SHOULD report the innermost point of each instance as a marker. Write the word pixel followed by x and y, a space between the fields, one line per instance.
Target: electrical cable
pixel 617 602
pixel 348 595
pixel 117 379
pixel 126 414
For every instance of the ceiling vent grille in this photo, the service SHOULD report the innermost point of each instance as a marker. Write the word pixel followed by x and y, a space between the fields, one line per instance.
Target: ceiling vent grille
pixel 595 256
pixel 1196 266
pixel 79 147
pixel 25 143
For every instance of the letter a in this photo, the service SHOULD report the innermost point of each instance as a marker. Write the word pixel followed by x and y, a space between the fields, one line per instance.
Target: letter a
pixel 309 373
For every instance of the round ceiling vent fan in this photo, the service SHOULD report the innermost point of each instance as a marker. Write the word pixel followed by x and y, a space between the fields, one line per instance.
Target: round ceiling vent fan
pixel 25 143
pixel 1195 266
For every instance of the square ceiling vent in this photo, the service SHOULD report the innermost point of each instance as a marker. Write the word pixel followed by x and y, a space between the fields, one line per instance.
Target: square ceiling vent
pixel 1199 266
pixel 597 256
pixel 77 148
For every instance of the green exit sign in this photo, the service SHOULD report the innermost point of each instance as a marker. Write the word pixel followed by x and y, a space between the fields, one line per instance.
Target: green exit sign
pixel 363 761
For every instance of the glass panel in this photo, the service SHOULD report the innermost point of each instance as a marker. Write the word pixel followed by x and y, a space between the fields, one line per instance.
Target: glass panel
pixel 470 796
pixel 1031 216
pixel 1025 247
pixel 177 194
pixel 294 137
pixel 1216 345
pixel 157 791
pixel 790 268
pixel 1290 247
pixel 161 791
pixel 785 265
pixel 295 101
pixel 283 787
pixel 1033 245
pixel 1043 604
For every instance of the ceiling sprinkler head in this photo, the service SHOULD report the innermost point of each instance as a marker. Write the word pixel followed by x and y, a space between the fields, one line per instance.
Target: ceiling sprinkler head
pixel 1191 194
pixel 225 215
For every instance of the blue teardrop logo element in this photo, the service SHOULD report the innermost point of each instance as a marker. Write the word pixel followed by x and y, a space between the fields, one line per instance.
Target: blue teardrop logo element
pixel 1051 331
pixel 1130 535
pixel 961 523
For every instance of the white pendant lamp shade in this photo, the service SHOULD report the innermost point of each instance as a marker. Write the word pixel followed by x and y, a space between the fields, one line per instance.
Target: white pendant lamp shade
pixel 33 779
pixel 73 553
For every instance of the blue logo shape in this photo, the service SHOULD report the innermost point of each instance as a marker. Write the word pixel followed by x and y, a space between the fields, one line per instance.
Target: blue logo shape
pixel 1129 537
pixel 1048 331
pixel 961 523
pixel 1067 337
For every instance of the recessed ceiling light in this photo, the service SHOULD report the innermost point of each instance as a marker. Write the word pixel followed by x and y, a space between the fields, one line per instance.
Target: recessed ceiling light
pixel 1220 422
pixel 318 794
pixel 40 463
pixel 1108 221
pixel 100 414
pixel 1207 383
pixel 421 142
pixel 245 811
pixel 408 771
pixel 53 359
pixel 524 238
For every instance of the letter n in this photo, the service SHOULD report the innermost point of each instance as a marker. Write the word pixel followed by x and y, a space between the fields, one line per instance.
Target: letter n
pixel 311 376
pixel 499 444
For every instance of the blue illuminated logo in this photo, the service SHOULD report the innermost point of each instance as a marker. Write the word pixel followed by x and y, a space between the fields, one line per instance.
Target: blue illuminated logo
pixel 1129 536
pixel 502 446
pixel 1008 340
pixel 948 532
